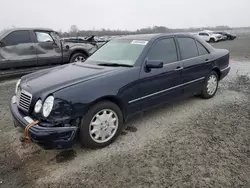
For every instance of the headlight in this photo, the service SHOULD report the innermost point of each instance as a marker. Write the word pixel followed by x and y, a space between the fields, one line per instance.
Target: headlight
pixel 48 105
pixel 38 106
pixel 17 85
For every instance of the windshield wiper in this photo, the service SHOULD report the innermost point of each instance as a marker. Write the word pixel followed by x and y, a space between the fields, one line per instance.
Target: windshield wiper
pixel 115 65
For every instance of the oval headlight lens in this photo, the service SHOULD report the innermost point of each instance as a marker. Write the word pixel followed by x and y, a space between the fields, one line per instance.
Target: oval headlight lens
pixel 48 105
pixel 38 106
pixel 17 85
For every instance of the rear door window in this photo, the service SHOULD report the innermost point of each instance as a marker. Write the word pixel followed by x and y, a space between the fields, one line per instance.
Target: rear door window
pixel 17 37
pixel 188 48
pixel 164 49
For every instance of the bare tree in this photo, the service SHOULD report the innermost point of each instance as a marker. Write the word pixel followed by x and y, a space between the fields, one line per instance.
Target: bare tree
pixel 73 30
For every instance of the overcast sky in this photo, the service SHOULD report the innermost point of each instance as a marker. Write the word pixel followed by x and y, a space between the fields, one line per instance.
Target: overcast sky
pixel 123 14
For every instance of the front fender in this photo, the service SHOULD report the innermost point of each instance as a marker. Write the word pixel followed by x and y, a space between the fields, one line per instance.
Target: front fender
pixel 87 48
pixel 75 100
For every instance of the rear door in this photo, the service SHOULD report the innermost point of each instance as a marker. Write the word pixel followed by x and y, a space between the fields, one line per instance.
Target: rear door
pixel 161 85
pixel 48 50
pixel 196 62
pixel 17 50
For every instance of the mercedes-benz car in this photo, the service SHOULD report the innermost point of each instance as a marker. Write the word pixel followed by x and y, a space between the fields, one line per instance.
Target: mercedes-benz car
pixel 91 101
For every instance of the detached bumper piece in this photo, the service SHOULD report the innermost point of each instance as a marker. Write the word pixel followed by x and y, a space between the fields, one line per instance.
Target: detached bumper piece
pixel 46 137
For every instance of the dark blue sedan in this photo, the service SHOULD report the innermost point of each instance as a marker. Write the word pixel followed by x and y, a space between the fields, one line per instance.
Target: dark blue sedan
pixel 92 100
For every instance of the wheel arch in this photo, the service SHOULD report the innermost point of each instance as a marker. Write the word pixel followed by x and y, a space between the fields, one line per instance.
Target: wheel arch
pixel 217 70
pixel 113 99
pixel 212 38
pixel 78 51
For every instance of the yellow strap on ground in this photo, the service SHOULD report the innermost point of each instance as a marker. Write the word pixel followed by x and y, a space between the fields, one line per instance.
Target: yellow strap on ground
pixel 26 131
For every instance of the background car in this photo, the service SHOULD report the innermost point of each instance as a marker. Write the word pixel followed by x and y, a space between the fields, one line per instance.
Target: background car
pixel 210 36
pixel 227 35
pixel 36 48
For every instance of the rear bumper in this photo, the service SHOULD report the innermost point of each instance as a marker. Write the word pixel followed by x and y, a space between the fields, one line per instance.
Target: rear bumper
pixel 224 72
pixel 46 137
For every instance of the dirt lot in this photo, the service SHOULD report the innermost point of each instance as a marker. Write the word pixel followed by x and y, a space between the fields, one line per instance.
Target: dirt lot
pixel 193 143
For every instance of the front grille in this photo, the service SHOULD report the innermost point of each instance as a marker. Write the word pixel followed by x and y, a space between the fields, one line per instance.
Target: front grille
pixel 24 99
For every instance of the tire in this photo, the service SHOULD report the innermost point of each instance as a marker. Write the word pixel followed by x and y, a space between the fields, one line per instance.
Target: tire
pixel 212 40
pixel 79 56
pixel 213 89
pixel 89 122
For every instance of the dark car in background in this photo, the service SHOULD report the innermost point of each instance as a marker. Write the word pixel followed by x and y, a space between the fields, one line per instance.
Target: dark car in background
pixel 128 75
pixel 228 36
pixel 22 48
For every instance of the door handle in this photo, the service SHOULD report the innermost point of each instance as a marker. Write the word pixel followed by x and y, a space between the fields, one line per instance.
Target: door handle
pixel 178 68
pixel 32 47
pixel 207 60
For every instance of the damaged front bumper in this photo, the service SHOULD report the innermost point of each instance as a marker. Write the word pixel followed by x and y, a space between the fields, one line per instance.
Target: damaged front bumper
pixel 46 137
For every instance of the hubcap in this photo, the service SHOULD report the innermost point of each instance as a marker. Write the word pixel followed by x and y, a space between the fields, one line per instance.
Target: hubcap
pixel 103 126
pixel 212 84
pixel 79 59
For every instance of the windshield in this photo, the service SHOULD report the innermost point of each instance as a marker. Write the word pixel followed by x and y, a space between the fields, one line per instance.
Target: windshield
pixel 118 51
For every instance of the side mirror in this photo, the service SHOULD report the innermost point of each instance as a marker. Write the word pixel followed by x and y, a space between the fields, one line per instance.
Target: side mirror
pixel 2 44
pixel 154 64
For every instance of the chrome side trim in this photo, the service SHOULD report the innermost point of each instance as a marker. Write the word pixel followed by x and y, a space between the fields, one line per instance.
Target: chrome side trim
pixel 166 64
pixel 162 91
pixel 222 70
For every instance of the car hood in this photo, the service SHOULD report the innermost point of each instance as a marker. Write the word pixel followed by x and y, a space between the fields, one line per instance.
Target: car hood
pixel 53 79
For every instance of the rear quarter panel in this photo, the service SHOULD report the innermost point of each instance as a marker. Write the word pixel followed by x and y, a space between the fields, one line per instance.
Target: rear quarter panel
pixel 221 58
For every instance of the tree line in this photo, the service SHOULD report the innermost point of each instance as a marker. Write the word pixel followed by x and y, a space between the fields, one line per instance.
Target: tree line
pixel 74 31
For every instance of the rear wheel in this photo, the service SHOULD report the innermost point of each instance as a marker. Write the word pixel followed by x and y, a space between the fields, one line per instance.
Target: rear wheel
pixel 101 125
pixel 210 86
pixel 78 57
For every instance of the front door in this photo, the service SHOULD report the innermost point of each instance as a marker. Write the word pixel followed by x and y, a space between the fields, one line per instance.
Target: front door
pixel 17 50
pixel 48 51
pixel 196 63
pixel 158 86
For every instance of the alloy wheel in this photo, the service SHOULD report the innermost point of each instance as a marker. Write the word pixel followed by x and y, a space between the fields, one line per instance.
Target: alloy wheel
pixel 80 59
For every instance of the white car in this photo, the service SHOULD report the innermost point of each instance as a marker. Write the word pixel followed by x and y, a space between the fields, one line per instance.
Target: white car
pixel 210 36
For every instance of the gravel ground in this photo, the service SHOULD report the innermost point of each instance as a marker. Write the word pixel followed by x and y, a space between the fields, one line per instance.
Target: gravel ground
pixel 193 143
pixel 239 48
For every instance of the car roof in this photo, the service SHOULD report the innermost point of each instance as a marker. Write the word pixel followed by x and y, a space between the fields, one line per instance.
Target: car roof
pixel 33 28
pixel 152 36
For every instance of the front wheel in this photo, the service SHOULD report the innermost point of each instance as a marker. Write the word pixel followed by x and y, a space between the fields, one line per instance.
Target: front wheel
pixel 210 86
pixel 101 125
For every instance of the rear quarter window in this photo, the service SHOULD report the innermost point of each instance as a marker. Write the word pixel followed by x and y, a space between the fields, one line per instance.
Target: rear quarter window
pixel 202 49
